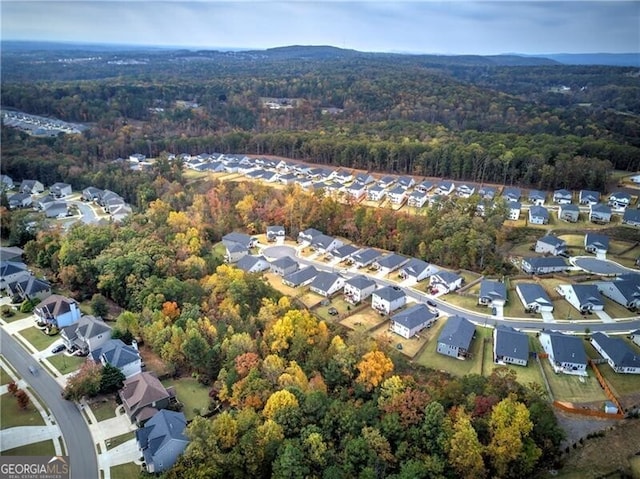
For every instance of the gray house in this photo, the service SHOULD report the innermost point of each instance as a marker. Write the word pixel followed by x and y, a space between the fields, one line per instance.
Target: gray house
pixel 275 233
pixel 624 292
pixel 446 281
pixel 492 292
pixel 60 190
pixel 583 297
pixel 88 334
pixel 162 440
pixel 358 288
pixel 551 244
pixel 344 252
pixel 534 298
pixel 512 194
pixel 621 356
pixel 390 262
pixel 569 212
pixel 284 266
pixel 301 277
pixel 20 200
pixel 596 243
pixel 31 186
pixel 544 265
pixel 411 321
pixel 417 270
pixel 566 353
pixel 588 197
pixel 29 287
pixel 599 213
pixel 325 243
pixel 120 355
pixel 253 264
pixel 510 346
pixel 365 257
pixel 56 209
pixel 326 283
pixel 455 337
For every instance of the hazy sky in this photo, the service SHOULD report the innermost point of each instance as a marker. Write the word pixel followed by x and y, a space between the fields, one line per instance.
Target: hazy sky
pixel 455 26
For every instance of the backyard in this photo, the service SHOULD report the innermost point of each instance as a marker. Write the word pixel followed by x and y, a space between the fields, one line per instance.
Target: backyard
pixel 340 305
pixel 575 389
pixel 526 374
pixel 364 320
pixel 276 282
pixel 409 347
pixel 193 396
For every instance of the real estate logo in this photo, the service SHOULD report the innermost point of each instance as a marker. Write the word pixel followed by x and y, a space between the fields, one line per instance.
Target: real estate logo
pixel 34 467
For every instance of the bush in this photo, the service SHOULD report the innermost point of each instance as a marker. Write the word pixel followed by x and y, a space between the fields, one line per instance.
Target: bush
pixel 27 306
pixel 7 312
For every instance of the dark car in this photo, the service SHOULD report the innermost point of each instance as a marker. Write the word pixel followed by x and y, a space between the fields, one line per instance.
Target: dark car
pixel 333 311
pixel 58 348
pixel 432 303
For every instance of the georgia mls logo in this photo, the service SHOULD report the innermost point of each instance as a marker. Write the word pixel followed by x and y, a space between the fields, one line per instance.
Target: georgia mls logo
pixel 34 467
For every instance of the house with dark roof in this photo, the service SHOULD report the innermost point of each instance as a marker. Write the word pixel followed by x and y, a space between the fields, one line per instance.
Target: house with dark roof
pixel 397 195
pixel 389 262
pixel 512 194
pixel 253 264
pixel 562 196
pixel 235 252
pixel 492 292
pixel 6 183
pixel 424 186
pixel 566 353
pixel 410 321
pixel 455 337
pixel 29 287
pixel 513 210
pixel 342 175
pixel 162 440
pixel 301 277
pixel 307 235
pixel 325 243
pixel 364 178
pixel 445 188
pixel 387 181
pixel 445 281
pixel 275 233
pixel 599 213
pixel 583 297
pixel 88 334
pixel 538 215
pixel 631 217
pixel 10 253
pixel 358 288
pixel 551 244
pixel 417 270
pixel 365 257
pixel 569 212
pixel 387 299
pixel 357 190
pixel 465 191
pixel 487 192
pixel 57 311
pixel 534 298
pixel 625 292
pixel 56 209
pixel 376 192
pixel 588 197
pixel 406 181
pixel 344 252
pixel 143 395
pixel 544 265
pixel 417 199
pixel 596 243
pixel 619 200
pixel 239 238
pixel 31 187
pixel 120 355
pixel 60 190
pixel 284 266
pixel 12 271
pixel 20 200
pixel 91 193
pixel 537 197
pixel 326 284
pixel 621 356
pixel 510 346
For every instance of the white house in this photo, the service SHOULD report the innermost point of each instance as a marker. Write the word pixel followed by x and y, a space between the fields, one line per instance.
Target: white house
pixel 619 200
pixel 512 194
pixel 365 257
pixel 631 217
pixel 625 292
pixel 588 197
pixel 60 190
pixel 551 244
pixel 301 277
pixel 596 243
pixel 344 252
pixel 513 210
pixel 387 299
pixel 358 288
pixel 621 356
pixel 544 265
pixel 510 346
pixel 397 195
pixel 284 266
pixel 357 191
pixel 635 337
pixel 465 191
pixel 492 293
pixel 326 284
pixel 534 298
pixel 275 233
pixel 253 264
pixel 325 244
pixel 307 235
pixel 376 193
pixel 445 188
pixel 537 197
pixel 58 311
pixel 569 212
pixel 455 337
pixel 409 322
pixel 445 281
pixel 599 213
pixel 417 199
pixel 562 197
pixel 389 262
pixel 538 215
pixel 417 270
pixel 566 353
pixel 583 297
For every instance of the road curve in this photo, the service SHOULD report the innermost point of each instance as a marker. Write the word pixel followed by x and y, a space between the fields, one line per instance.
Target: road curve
pixel 79 443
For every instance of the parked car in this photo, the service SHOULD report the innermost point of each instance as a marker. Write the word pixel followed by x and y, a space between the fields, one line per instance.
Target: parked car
pixel 432 303
pixel 58 348
pixel 333 311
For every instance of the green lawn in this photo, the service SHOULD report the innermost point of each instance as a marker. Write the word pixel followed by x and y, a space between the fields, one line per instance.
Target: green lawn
pixel 121 439
pixel 622 383
pixel 466 302
pixel 337 302
pixel 4 377
pixel 104 409
pixel 11 415
pixel 43 448
pixel 125 471
pixel 576 389
pixel 529 374
pixel 192 394
pixel 66 364
pixel 17 316
pixel 37 338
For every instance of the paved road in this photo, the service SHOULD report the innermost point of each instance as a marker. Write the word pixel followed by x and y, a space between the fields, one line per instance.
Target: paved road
pixel 594 324
pixel 78 440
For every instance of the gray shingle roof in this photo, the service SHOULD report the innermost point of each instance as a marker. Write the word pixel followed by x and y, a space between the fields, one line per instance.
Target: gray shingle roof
pixel 493 289
pixel 391 260
pixel 567 349
pixel 344 251
pixel 247 262
pixel 413 316
pixel 322 241
pixel 162 439
pixel 366 255
pixel 533 293
pixel 116 353
pixel 553 241
pixel 511 343
pixel 390 293
pixel 360 282
pixel 298 277
pixel 621 353
pixel 588 294
pixel 448 276
pixel 538 212
pixel 415 267
pixel 285 262
pixel 457 332
pixel 324 280
pixel 546 262
pixel 239 238
pixel 597 240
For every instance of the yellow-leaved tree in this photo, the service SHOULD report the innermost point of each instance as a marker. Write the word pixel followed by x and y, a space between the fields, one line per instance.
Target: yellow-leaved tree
pixel 279 400
pixel 373 368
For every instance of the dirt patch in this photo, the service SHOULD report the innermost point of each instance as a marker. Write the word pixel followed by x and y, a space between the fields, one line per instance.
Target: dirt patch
pixel 153 363
pixel 408 347
pixel 364 321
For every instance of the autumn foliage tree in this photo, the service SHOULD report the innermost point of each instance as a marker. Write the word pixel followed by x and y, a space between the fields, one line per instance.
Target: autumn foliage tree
pixel 23 398
pixel 85 382
pixel 373 368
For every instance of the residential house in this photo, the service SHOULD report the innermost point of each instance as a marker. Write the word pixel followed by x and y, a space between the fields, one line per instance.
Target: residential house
pixel 512 194
pixel 544 265
pixel 325 243
pixel 455 337
pixel 596 243
pixel 143 395
pixel 387 299
pixel 406 181
pixel 288 178
pixel 510 346
pixel 376 193
pixel 358 288
pixel 91 193
pixel 301 277
pixel 569 212
pixel 411 321
pixel 6 183
pixel 621 356
pixel 599 213
pixel 487 192
pixel 631 217
pixel 307 235
pixel 235 252
pixel 344 252
pixel 417 270
pixel 20 200
pixel 56 209
pixel 538 215
pixel 357 190
pixel 60 190
pixel 162 440
pixel 57 311
pixel 119 355
pixel 386 181
pixel 397 195
pixel 552 245
pixel 389 262
pixel 445 281
pixel 625 292
pixel 364 178
pixel 11 271
pixel 88 334
pixel 284 266
pixel 583 297
pixel 275 233
pixel 417 199
pixel 343 176
pixel 445 188
pixel 424 186
pixel 10 253
pixel 239 238
pixel 253 264
pixel 29 287
pixel 635 336
pixel 465 191
pixel 537 197
pixel 562 197
pixel 41 203
pixel 365 257
pixel 619 200
pixel 566 353
pixel 492 292
pixel 31 186
pixel 587 197
pixel 327 284
pixel 534 298
pixel 513 210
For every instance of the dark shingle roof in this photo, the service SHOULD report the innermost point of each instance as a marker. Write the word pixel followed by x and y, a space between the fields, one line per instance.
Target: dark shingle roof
pixel 457 332
pixel 360 282
pixel 413 316
pixel 493 289
pixel 511 343
pixel 567 349
pixel 324 280
pixel 390 293
pixel 301 276
pixel 533 293
pixel 622 354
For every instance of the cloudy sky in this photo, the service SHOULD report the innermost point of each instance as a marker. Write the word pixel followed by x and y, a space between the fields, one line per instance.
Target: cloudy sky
pixel 419 26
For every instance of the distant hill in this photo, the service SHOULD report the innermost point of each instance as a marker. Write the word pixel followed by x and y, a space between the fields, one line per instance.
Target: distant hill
pixel 610 59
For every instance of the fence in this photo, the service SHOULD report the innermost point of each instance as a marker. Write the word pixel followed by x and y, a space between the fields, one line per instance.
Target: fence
pixel 605 385
pixel 571 408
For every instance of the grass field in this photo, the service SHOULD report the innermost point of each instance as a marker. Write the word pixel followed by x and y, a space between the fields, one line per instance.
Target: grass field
pixel 66 364
pixel 364 320
pixel 276 283
pixel 105 409
pixel 408 347
pixel 121 439
pixel 37 338
pixel 310 299
pixel 623 384
pixel 337 302
pixel 11 415
pixel 525 374
pixel 576 389
pixel 125 471
pixel 193 395
pixel 466 302
pixel 17 316
pixel 43 448
pixel 4 377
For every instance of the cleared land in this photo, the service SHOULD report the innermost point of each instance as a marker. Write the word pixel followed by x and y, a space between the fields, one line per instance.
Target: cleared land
pixel 408 347
pixel 365 320
pixel 276 282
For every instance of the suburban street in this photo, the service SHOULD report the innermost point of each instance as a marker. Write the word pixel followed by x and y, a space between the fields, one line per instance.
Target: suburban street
pixel 577 326
pixel 77 438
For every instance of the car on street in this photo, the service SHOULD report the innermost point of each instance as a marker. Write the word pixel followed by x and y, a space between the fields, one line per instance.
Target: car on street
pixel 58 348
pixel 432 303
pixel 33 370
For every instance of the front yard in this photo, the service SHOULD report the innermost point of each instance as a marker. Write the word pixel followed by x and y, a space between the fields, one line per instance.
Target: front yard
pixel 43 448
pixel 66 364
pixel 37 338
pixel 11 415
